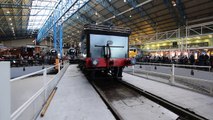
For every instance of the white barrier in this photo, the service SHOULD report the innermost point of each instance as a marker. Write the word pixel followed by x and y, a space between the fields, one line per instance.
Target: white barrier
pixel 5 91
pixel 173 77
pixel 31 108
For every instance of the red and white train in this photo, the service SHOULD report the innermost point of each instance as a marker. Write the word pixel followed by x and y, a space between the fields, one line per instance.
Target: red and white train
pixel 105 49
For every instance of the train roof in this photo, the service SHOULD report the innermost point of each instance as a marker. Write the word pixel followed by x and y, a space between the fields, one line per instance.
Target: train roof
pixel 106 29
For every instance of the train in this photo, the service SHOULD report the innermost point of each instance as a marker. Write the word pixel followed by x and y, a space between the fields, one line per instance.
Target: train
pixel 135 53
pixel 105 49
pixel 72 55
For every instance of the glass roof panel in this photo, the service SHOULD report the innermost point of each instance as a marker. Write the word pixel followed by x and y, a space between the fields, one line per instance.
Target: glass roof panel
pixel 40 11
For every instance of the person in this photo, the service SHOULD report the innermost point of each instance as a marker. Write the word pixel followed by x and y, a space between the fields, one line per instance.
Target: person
pixel 206 59
pixel 192 59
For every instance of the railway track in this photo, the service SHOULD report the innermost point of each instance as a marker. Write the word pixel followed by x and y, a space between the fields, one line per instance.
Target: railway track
pixel 128 102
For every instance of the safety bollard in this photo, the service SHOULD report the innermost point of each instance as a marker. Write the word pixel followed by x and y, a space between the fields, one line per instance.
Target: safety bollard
pixel 59 67
pixel 45 83
pixel 133 69
pixel 172 79
pixel 211 90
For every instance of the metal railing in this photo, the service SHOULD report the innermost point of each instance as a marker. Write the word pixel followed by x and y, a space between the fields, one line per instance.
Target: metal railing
pixel 177 75
pixel 31 107
pixel 176 65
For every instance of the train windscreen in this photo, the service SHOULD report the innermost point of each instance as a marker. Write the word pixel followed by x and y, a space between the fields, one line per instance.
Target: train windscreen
pixel 118 45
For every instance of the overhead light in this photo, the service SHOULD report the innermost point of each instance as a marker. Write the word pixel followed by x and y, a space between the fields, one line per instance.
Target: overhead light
pixel 124 0
pixel 96 13
pixel 77 17
pixel 11 23
pixel 12 27
pixel 210 36
pixel 8 12
pixel 10 18
pixel 173 3
pixel 130 16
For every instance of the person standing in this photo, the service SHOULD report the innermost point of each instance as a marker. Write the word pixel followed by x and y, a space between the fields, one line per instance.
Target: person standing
pixel 192 59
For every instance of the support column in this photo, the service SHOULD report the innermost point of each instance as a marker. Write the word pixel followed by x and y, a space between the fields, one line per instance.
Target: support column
pixel 54 37
pixel 61 40
pixel 5 98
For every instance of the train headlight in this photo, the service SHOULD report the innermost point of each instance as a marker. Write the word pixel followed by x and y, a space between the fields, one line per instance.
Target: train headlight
pixel 95 62
pixel 133 61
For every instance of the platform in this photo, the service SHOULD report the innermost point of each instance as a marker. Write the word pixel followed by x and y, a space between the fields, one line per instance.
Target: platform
pixel 75 99
pixel 199 103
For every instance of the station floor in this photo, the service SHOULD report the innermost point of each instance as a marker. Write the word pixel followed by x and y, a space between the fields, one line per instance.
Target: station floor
pixel 75 98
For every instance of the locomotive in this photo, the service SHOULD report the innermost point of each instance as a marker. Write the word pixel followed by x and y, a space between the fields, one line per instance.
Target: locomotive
pixel 72 55
pixel 104 49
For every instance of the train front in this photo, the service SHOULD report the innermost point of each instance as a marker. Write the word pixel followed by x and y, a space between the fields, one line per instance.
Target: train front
pixel 106 49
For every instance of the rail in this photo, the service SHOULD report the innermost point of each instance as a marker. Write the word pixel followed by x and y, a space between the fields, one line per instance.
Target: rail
pixel 40 97
pixel 176 79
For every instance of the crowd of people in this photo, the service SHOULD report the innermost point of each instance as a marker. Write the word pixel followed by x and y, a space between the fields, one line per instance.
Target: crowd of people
pixel 28 60
pixel 202 60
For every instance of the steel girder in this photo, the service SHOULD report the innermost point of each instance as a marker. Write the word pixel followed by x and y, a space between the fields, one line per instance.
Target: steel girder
pixel 172 12
pixel 182 13
pixel 67 10
pixel 143 12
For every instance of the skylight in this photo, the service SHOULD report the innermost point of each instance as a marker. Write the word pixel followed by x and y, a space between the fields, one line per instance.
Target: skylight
pixel 39 12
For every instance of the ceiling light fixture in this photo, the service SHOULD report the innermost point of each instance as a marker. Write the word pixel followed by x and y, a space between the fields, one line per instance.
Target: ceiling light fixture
pixel 124 0
pixel 10 18
pixel 8 12
pixel 96 13
pixel 77 17
pixel 210 36
pixel 11 23
pixel 130 15
pixel 173 3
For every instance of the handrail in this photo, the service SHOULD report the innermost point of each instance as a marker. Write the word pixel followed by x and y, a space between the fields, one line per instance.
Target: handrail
pixel 192 66
pixel 18 112
pixel 195 66
pixel 208 83
pixel 153 63
pixel 30 74
pixel 26 104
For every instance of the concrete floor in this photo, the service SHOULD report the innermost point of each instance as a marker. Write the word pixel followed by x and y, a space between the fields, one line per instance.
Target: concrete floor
pixel 75 99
